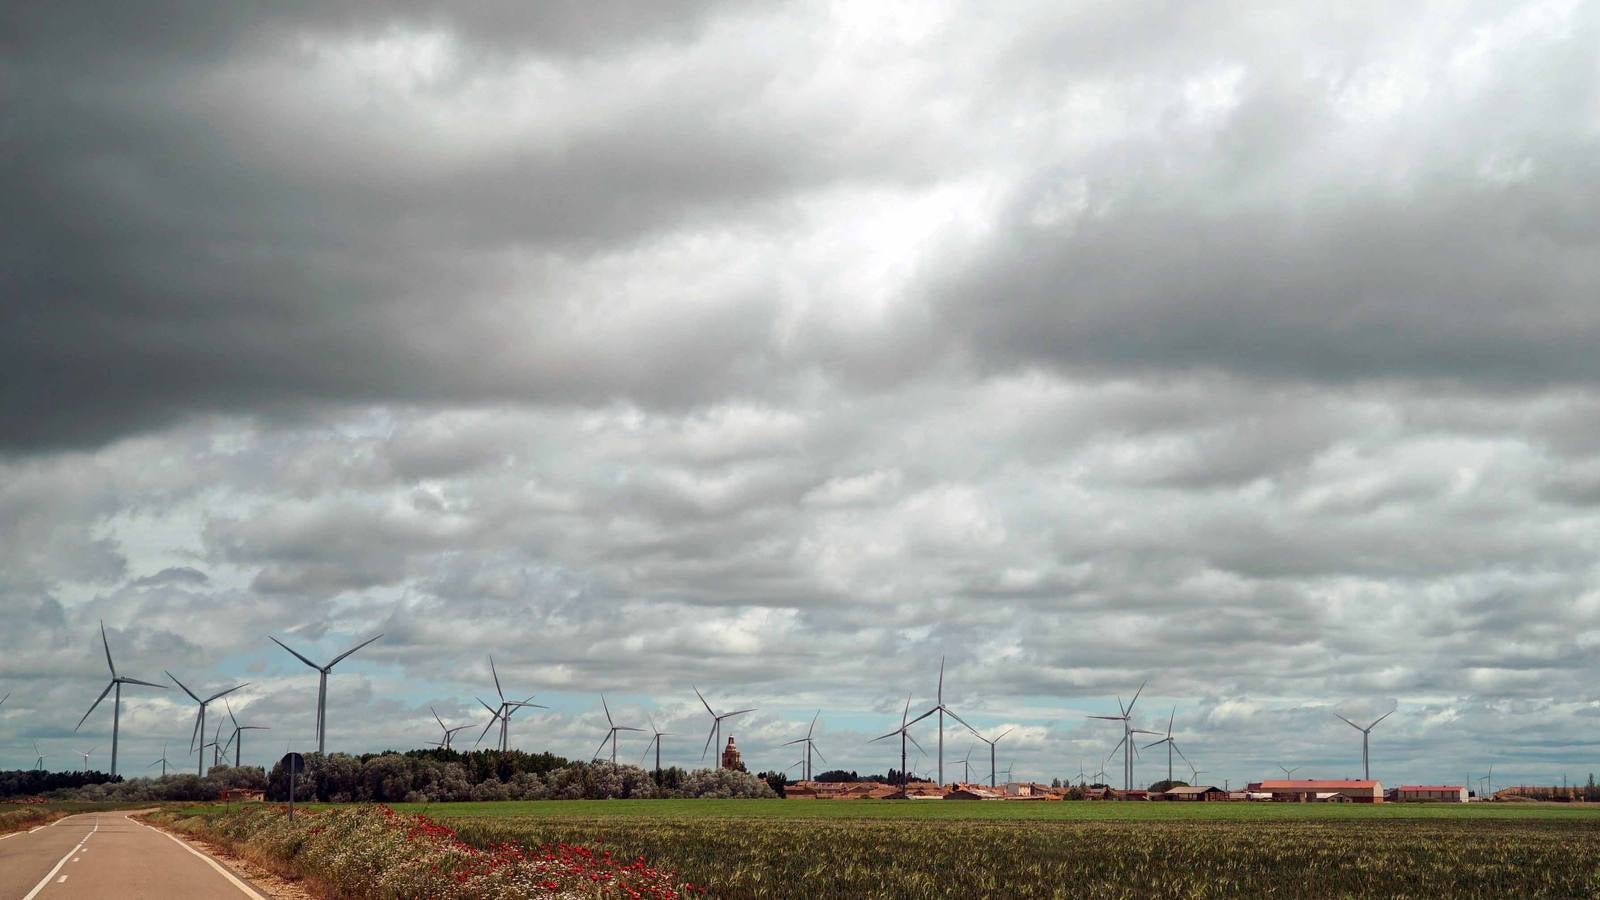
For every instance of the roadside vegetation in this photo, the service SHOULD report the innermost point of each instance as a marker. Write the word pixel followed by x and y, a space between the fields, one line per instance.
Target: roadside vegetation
pixel 370 852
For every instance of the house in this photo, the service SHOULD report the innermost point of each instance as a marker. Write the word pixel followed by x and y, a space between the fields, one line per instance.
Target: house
pixel 837 790
pixel 241 794
pixel 1437 793
pixel 1309 790
pixel 1195 793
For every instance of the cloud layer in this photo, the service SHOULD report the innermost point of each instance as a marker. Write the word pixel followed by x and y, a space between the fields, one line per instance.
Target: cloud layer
pixel 784 351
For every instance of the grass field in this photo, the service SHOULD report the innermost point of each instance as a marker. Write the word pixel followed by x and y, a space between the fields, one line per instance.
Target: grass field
pixel 1064 811
pixel 818 849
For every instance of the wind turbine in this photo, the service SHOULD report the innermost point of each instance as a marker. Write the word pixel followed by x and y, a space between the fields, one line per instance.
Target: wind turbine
pixel 200 717
pixel 449 733
pixel 716 725
pixel 905 735
pixel 86 757
pixel 162 762
pixel 1008 770
pixel 322 683
pixel 5 698
pixel 216 747
pixel 941 709
pixel 38 764
pixel 810 745
pixel 503 714
pixel 1129 749
pixel 1490 778
pixel 117 681
pixel 1082 775
pixel 1171 744
pixel 1100 776
pixel 611 735
pixel 991 744
pixel 238 748
pixel 1366 768
pixel 1289 773
pixel 1194 774
pixel 966 766
pixel 655 738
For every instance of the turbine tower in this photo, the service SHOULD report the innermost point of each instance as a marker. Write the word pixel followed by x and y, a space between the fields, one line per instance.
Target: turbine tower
pixel 322 683
pixel 200 718
pixel 1171 744
pixel 117 681
pixel 236 740
pixel 1366 767
pixel 941 709
pixel 991 744
pixel 655 738
pixel 716 724
pixel 611 736
pixel 905 735
pixel 811 745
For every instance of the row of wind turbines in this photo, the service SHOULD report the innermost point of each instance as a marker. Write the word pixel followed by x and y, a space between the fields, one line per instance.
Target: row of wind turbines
pixel 501 714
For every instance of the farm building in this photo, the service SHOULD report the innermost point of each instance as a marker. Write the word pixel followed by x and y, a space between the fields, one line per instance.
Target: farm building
pixel 1447 793
pixel 1195 793
pixel 1340 790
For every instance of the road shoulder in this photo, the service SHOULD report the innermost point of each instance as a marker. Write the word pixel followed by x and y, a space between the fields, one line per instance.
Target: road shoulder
pixel 264 881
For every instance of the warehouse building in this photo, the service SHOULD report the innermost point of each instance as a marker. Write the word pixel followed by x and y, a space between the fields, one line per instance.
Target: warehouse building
pixel 1434 793
pixel 1197 792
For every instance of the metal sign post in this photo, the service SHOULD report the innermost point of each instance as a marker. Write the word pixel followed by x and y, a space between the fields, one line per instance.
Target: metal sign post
pixel 295 763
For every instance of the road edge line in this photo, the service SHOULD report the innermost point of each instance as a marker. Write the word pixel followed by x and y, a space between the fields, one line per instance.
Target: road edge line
pixel 46 881
pixel 247 890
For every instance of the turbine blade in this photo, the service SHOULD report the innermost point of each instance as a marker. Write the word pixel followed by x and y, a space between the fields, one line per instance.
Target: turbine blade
pixel 493 718
pixel 1004 733
pixel 181 684
pixel 628 728
pixel 94 704
pixel 607 709
pixel 1348 722
pixel 737 712
pixel 1129 710
pixel 703 701
pixel 1108 718
pixel 1180 754
pixel 921 717
pixel 1156 744
pixel 813 724
pixel 710 735
pixel 354 649
pixel 795 741
pixel 1170 717
pixel 107 644
pixel 226 692
pixel 883 736
pixel 436 717
pixel 818 753
pixel 914 742
pixel 1381 718
pixel 940 696
pixel 596 753
pixel 493 671
pixel 296 653
pixel 952 714
pixel 230 713
pixel 126 680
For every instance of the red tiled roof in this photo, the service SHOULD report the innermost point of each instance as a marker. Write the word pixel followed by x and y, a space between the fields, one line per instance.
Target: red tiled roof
pixel 1429 787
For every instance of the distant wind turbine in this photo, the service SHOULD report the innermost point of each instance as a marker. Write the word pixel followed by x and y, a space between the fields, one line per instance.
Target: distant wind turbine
pixel 991 744
pixel 237 739
pixel 905 735
pixel 716 725
pixel 611 735
pixel 503 713
pixel 1289 773
pixel 200 717
pixel 810 745
pixel 322 684
pixel 86 755
pixel 1366 767
pixel 116 683
pixel 38 764
pixel 449 733
pixel 655 738
pixel 1171 744
pixel 162 762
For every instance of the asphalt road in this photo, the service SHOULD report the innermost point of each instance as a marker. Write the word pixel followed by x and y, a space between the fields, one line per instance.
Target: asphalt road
pixel 108 856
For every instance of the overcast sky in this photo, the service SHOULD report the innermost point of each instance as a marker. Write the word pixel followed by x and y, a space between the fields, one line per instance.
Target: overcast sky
pixel 1247 349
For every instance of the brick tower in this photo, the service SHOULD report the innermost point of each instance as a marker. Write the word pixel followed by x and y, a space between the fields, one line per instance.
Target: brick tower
pixel 731 759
